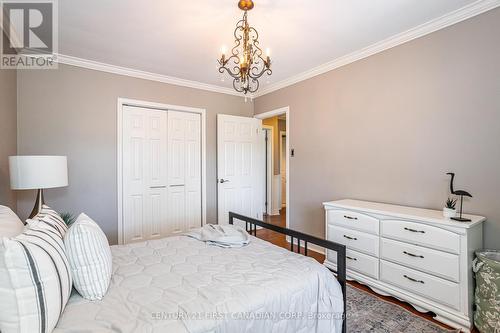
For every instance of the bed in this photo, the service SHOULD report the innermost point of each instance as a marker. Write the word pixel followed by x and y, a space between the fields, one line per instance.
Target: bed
pixel 179 284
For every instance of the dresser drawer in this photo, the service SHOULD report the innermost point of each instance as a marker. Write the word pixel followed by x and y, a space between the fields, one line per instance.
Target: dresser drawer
pixel 357 261
pixel 354 240
pixel 437 289
pixel 353 220
pixel 434 262
pixel 421 234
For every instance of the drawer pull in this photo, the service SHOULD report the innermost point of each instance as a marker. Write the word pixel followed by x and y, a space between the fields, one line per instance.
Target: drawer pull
pixel 413 255
pixel 413 230
pixel 350 217
pixel 413 280
pixel 351 258
pixel 348 237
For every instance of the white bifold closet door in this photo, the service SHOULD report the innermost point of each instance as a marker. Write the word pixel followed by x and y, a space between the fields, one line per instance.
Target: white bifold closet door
pixel 161 161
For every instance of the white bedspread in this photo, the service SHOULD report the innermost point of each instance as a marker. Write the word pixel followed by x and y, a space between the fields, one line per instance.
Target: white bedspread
pixel 179 284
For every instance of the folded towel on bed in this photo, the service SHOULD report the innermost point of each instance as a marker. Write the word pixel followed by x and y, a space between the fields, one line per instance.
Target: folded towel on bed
pixel 221 235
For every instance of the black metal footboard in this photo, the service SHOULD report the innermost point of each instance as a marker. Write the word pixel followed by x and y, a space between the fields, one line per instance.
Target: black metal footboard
pixel 251 227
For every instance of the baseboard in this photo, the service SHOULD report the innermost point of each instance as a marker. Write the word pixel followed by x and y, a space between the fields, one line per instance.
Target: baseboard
pixel 275 212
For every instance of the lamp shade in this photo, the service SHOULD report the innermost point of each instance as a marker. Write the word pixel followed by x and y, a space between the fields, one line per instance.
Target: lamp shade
pixel 38 172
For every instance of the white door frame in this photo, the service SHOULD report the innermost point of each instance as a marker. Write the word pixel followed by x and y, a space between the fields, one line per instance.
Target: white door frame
pixel 282 134
pixel 119 147
pixel 277 112
pixel 270 169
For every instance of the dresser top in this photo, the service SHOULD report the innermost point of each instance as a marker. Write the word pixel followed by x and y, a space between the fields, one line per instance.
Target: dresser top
pixel 429 215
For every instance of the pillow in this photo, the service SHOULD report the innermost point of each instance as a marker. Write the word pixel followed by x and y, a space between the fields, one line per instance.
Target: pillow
pixel 10 224
pixel 52 219
pixel 89 258
pixel 35 280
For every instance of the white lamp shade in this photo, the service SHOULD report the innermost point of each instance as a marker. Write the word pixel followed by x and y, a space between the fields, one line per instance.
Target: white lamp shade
pixel 38 172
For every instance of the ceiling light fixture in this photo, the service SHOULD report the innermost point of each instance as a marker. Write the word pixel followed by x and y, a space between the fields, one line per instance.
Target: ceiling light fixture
pixel 245 64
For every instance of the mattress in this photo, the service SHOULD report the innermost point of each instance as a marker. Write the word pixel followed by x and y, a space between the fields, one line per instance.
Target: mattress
pixel 179 284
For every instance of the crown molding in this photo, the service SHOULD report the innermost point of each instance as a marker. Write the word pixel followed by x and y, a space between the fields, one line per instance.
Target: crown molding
pixel 439 23
pixel 108 68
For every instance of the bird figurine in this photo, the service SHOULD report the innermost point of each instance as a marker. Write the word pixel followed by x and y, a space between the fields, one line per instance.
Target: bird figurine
pixel 460 193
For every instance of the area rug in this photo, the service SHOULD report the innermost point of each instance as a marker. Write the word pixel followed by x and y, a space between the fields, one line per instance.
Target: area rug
pixel 368 313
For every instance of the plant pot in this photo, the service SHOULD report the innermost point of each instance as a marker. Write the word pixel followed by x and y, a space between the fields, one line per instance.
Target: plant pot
pixel 449 213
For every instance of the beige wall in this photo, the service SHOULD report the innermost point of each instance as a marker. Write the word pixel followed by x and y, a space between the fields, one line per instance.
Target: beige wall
pixel 72 111
pixel 8 128
pixel 388 127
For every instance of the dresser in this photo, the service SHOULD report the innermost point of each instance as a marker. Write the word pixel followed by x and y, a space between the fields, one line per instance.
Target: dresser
pixel 413 254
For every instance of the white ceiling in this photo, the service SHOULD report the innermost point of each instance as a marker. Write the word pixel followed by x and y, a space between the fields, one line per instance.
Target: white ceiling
pixel 182 38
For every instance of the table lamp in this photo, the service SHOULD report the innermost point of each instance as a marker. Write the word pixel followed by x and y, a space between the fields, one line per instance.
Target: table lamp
pixel 38 173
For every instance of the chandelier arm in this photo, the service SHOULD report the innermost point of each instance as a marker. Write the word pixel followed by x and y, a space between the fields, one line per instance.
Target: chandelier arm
pixel 234 58
pixel 234 74
pixel 255 39
pixel 255 73
pixel 256 87
pixel 255 76
pixel 237 41
pixel 238 89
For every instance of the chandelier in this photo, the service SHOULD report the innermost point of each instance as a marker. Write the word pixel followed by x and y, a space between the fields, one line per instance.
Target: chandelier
pixel 246 63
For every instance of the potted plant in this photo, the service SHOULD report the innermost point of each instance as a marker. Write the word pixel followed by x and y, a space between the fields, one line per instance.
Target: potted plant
pixel 449 210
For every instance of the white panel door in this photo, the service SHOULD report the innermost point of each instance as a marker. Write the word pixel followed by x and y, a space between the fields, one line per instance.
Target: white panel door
pixel 144 173
pixel 184 171
pixel 240 166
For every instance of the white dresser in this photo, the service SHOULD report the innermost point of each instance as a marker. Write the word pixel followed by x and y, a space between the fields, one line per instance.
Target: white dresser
pixel 413 254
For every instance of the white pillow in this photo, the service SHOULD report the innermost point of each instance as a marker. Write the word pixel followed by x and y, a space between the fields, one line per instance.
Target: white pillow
pixel 10 224
pixel 89 257
pixel 51 219
pixel 35 280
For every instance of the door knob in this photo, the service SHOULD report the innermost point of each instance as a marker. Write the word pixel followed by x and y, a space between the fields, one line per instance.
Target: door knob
pixel 223 181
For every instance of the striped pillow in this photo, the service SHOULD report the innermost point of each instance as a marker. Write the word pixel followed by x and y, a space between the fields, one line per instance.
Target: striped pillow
pixel 52 219
pixel 89 257
pixel 35 280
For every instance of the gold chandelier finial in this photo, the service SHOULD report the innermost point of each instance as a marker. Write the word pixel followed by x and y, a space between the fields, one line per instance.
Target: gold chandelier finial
pixel 245 4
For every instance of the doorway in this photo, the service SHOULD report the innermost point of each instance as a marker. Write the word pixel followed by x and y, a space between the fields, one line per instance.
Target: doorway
pixel 276 124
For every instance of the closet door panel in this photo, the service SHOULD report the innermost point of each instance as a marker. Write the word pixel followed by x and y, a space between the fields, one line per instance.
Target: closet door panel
pixel 144 173
pixel 134 174
pixel 193 170
pixel 176 209
pixel 134 141
pixel 176 148
pixel 176 170
pixel 156 160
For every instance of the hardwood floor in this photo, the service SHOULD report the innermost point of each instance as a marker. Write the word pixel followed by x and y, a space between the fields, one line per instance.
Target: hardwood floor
pixel 280 240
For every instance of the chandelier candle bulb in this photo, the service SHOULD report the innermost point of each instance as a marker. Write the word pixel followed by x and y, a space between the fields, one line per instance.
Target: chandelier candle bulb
pixel 246 62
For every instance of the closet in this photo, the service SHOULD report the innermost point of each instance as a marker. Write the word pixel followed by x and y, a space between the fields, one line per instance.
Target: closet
pixel 161 172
